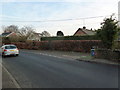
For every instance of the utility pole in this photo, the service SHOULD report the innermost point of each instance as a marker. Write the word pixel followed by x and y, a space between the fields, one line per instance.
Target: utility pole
pixel 119 13
pixel 83 22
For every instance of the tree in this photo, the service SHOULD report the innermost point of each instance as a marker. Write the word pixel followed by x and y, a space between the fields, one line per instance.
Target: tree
pixel 45 34
pixel 11 28
pixel 108 31
pixel 25 32
pixel 60 33
pixel 116 44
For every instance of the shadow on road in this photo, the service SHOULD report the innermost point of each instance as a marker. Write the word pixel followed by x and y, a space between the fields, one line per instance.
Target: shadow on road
pixel 11 56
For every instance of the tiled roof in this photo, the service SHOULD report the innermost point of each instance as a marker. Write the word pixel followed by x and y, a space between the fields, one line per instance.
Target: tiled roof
pixel 5 34
pixel 86 31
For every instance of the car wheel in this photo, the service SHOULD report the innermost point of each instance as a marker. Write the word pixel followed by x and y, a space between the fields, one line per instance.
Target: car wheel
pixel 3 55
pixel 17 54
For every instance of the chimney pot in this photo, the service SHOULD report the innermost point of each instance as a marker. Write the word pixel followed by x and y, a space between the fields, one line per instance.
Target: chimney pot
pixel 84 27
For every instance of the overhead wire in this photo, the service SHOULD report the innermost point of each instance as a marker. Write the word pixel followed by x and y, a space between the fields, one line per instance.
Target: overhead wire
pixel 71 19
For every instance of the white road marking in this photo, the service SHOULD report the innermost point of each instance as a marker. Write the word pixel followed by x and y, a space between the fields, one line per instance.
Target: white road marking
pixel 47 55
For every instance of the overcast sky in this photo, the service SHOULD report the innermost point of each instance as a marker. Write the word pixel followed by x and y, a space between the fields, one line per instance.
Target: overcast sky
pixel 73 14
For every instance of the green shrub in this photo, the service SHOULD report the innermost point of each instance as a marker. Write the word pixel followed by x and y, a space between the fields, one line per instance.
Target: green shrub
pixel 93 37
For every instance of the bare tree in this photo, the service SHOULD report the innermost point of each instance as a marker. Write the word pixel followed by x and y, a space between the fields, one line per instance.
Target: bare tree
pixel 23 33
pixel 26 31
pixel 11 28
pixel 45 34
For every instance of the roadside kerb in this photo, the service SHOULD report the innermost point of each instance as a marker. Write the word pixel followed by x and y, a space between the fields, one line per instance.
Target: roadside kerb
pixel 99 61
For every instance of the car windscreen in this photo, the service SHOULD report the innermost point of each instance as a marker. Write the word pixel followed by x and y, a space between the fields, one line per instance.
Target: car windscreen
pixel 10 47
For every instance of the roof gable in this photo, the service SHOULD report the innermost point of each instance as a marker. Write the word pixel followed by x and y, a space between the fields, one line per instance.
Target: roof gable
pixel 83 31
pixel 6 34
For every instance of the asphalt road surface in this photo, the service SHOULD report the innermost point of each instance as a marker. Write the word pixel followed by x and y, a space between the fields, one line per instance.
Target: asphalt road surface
pixel 42 71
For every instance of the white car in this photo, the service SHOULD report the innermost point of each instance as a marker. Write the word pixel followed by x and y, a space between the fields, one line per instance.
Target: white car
pixel 9 50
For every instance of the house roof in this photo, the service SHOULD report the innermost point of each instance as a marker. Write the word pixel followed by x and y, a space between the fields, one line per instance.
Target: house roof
pixel 5 34
pixel 37 34
pixel 86 31
pixel 89 32
pixel 34 36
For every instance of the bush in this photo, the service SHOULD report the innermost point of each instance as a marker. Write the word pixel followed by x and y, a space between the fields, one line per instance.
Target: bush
pixel 108 54
pixel 116 45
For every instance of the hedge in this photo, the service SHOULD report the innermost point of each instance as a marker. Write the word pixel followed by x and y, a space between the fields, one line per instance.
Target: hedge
pixel 93 37
pixel 108 54
pixel 61 45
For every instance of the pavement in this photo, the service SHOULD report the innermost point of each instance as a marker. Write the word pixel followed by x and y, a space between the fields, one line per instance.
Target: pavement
pixel 86 57
pixel 55 69
pixel 7 80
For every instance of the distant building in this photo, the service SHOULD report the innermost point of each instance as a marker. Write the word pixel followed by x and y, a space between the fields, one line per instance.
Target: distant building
pixel 83 32
pixel 8 34
pixel 35 37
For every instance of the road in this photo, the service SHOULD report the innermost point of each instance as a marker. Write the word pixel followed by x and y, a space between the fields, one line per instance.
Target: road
pixel 41 71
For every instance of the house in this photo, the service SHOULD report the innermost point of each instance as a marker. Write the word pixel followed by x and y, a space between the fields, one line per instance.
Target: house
pixel 8 37
pixel 8 34
pixel 83 31
pixel 35 37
